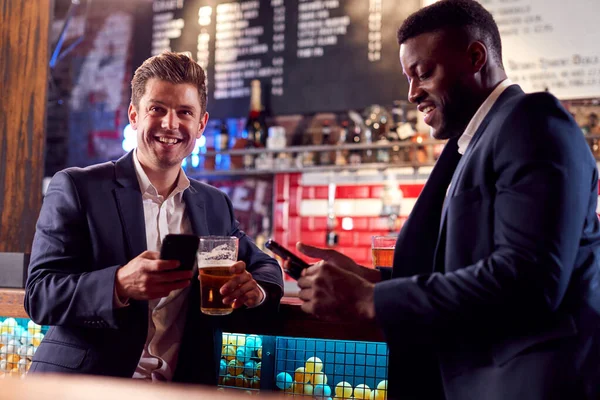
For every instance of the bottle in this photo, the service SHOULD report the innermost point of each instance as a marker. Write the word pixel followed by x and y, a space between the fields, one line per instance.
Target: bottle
pixel 382 155
pixel 256 129
pixel 325 157
pixel 354 137
pixel 404 131
pixel 222 144
pixel 223 137
pixel 341 155
pixel 308 156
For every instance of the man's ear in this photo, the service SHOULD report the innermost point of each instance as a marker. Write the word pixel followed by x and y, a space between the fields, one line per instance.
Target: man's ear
pixel 133 116
pixel 202 125
pixel 478 55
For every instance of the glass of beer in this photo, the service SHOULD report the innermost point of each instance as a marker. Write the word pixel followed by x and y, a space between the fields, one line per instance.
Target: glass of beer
pixel 216 254
pixel 382 248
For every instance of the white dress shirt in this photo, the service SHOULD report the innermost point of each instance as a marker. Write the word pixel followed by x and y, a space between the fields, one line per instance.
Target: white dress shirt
pixel 482 112
pixel 166 316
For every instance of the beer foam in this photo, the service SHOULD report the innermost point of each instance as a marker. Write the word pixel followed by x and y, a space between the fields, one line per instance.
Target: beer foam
pixel 222 255
pixel 214 263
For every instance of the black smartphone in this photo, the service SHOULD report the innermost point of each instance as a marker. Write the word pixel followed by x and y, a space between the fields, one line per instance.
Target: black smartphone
pixel 180 247
pixel 294 266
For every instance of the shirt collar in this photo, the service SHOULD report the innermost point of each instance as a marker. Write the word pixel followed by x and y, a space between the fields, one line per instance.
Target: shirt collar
pixel 147 187
pixel 484 109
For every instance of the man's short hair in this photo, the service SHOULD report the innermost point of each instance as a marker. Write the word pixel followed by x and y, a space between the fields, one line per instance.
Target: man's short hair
pixel 171 67
pixel 466 15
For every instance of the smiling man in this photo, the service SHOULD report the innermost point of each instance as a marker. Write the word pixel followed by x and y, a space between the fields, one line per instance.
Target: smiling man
pixel 495 287
pixel 95 275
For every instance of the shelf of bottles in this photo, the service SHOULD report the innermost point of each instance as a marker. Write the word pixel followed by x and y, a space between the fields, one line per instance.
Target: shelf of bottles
pixel 309 158
pixel 374 139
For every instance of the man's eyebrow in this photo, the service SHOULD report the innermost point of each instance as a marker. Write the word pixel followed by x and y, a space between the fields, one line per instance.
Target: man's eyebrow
pixel 184 106
pixel 412 66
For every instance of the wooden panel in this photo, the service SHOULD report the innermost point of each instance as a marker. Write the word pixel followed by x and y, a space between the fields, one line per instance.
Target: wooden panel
pixel 11 303
pixel 24 26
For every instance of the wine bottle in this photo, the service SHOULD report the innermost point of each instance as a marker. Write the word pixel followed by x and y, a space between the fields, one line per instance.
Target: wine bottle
pixel 256 130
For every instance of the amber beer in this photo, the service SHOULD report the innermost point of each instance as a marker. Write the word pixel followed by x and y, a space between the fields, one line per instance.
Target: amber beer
pixel 383 257
pixel 382 250
pixel 212 278
pixel 216 255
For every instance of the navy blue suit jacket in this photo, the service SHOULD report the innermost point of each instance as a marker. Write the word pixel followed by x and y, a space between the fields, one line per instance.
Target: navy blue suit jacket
pixel 91 223
pixel 495 288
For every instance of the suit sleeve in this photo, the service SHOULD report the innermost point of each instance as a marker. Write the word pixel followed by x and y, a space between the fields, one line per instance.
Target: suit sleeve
pixel 61 287
pixel 545 183
pixel 264 269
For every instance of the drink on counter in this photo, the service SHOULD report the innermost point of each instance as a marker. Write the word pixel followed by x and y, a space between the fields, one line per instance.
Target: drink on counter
pixel 383 257
pixel 382 249
pixel 216 254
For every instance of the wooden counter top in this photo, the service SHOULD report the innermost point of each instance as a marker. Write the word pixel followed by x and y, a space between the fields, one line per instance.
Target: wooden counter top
pixel 11 303
pixel 291 321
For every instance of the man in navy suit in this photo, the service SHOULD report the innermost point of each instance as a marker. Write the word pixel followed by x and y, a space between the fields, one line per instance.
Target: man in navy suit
pixel 494 293
pixel 95 275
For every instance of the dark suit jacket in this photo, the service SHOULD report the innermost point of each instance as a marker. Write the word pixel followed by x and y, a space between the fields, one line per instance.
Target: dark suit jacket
pixel 91 223
pixel 495 288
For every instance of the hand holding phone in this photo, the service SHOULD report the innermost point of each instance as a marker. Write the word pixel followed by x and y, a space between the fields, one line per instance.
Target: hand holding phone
pixel 180 247
pixel 293 265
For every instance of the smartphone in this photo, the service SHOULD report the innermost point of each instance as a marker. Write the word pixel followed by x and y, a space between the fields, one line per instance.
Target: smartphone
pixel 180 247
pixel 295 265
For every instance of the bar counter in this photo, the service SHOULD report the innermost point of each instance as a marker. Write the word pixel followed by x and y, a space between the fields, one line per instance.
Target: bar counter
pixel 291 321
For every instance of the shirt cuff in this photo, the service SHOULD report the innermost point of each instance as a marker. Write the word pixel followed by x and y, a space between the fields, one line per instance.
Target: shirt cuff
pixel 117 303
pixel 264 296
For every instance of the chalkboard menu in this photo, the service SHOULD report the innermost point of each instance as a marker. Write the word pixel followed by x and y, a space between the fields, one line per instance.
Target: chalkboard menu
pixel 310 55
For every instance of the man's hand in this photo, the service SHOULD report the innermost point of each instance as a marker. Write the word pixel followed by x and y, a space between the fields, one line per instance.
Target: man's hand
pixel 147 277
pixel 342 261
pixel 333 293
pixel 242 289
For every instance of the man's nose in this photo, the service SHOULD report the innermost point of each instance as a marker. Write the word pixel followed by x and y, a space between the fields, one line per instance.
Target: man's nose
pixel 170 121
pixel 414 92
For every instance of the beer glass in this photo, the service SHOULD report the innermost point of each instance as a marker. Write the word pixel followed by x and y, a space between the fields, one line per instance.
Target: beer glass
pixel 216 254
pixel 382 248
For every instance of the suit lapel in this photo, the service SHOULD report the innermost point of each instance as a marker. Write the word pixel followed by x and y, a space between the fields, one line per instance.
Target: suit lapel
pixel 129 204
pixel 194 203
pixel 509 92
pixel 417 239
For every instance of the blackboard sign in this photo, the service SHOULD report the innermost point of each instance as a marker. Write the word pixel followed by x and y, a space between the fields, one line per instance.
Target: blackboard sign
pixel 310 55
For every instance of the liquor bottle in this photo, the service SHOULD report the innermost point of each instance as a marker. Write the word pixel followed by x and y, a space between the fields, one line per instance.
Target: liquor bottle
pixel 308 156
pixel 376 121
pixel 222 144
pixel 256 130
pixel 223 137
pixel 341 155
pixel 354 137
pixel 325 156
pixel 404 131
pixel 382 155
